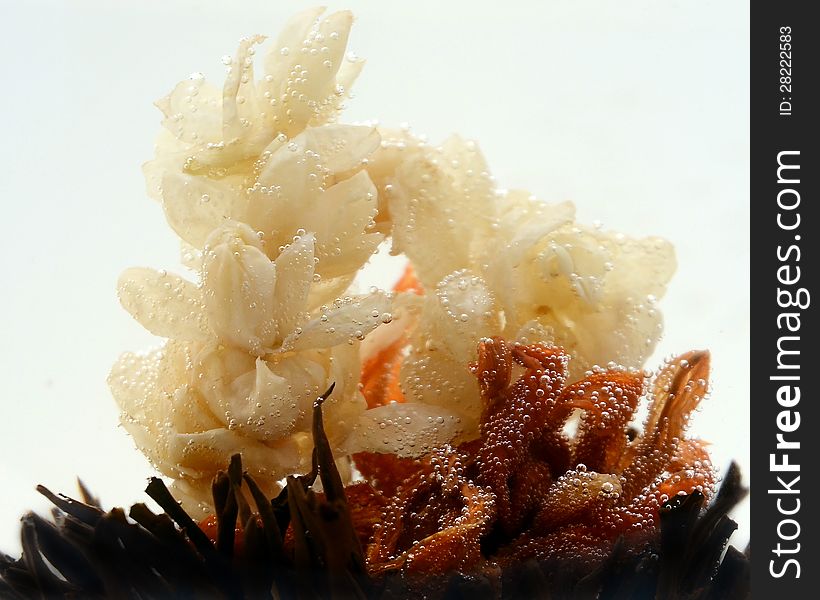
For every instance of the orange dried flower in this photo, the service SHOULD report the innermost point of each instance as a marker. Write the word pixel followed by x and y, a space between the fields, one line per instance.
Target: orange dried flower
pixel 529 489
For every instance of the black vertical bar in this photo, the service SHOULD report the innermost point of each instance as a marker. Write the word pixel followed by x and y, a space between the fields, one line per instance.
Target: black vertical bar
pixel 785 54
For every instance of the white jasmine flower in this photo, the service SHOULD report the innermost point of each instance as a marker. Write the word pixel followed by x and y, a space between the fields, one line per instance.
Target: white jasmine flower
pixel 592 292
pixel 220 133
pixel 247 358
pixel 172 423
pixel 312 183
pixel 265 152
pixel 506 264
pixel 441 207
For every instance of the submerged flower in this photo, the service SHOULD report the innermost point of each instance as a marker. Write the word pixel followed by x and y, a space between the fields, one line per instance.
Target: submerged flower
pixel 590 291
pixel 251 348
pixel 526 488
pixel 496 263
pixel 279 208
pixel 246 360
pixel 276 214
pixel 267 153
pixel 219 133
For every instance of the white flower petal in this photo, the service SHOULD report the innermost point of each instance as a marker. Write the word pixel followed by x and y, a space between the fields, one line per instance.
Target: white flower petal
pixel 341 147
pixel 397 147
pixel 525 220
pixel 195 206
pixel 260 404
pixel 189 413
pixel 593 293
pixel 308 377
pixel 240 80
pixel 643 266
pixel 431 375
pixel 348 320
pixel 632 329
pixel 143 385
pixel 315 100
pixel 190 256
pixel 165 304
pixel 239 285
pixel 441 209
pixel 341 218
pixel 469 310
pixel 294 267
pixel 406 430
pixel 287 186
pixel 405 309
pixel 346 403
pixel 326 290
pixel 192 110
pixel 573 263
pixel 284 53
pixel 215 370
pixel 348 73
pixel 133 381
pixel 262 399
pixel 201 454
pixel 463 162
pixel 171 155
pixel 318 48
pixel 461 312
pixel 535 332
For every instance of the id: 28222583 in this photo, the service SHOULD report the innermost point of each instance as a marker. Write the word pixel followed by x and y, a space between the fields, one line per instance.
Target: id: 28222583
pixel 785 70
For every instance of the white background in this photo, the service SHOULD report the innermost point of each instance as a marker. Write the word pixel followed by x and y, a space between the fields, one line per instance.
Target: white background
pixel 637 111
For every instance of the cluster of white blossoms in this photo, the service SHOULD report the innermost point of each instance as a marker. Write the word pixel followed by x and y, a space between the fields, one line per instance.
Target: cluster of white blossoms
pixel 279 208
